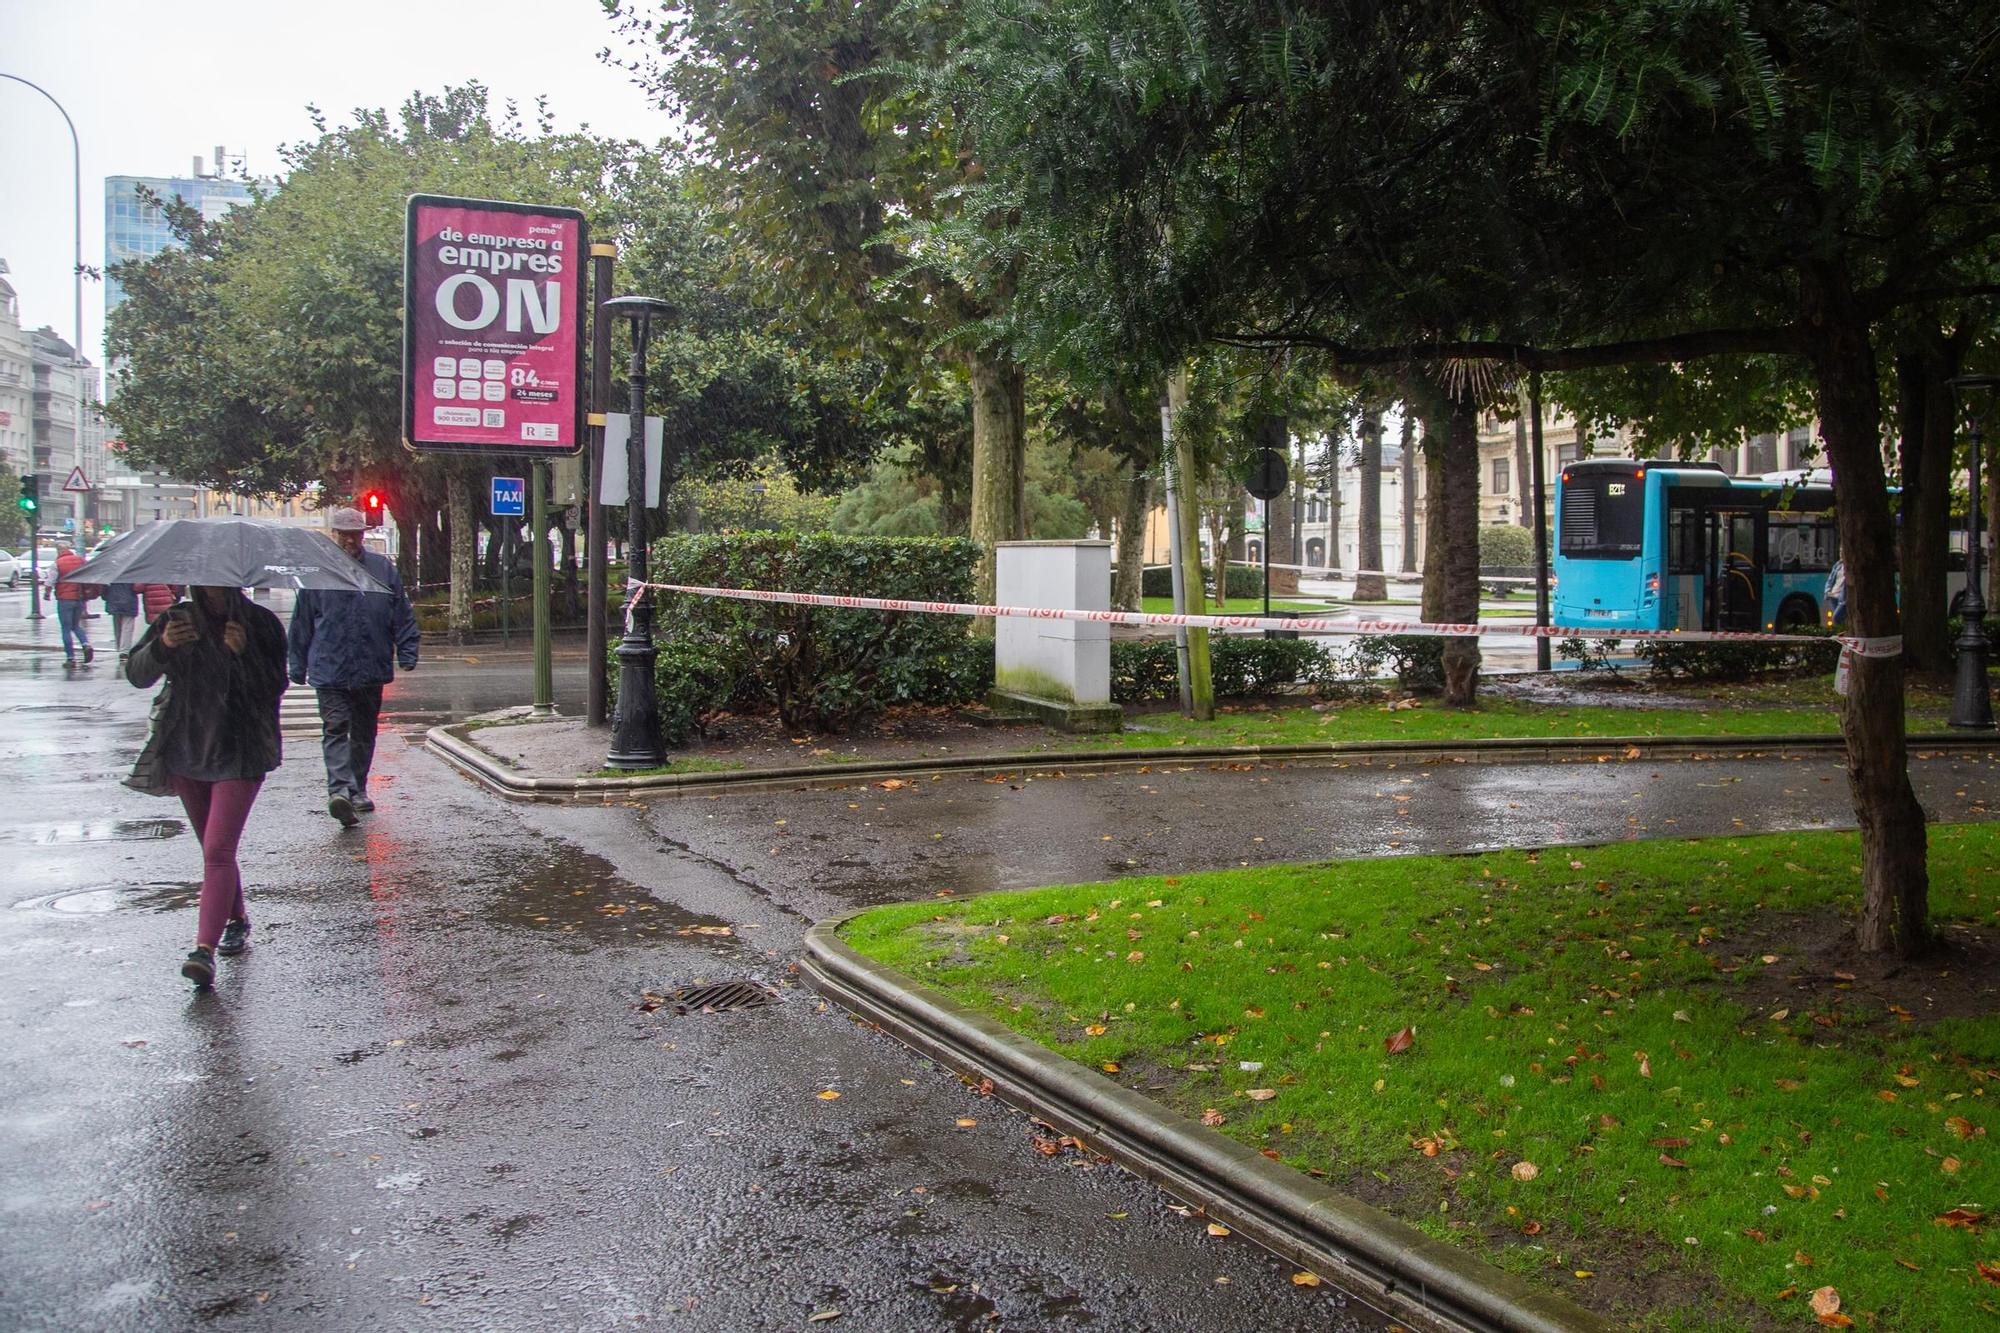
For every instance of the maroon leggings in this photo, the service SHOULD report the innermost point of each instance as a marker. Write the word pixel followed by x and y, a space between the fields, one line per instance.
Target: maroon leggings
pixel 217 812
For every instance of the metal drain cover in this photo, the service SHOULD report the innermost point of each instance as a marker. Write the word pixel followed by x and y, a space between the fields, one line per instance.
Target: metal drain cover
pixel 719 997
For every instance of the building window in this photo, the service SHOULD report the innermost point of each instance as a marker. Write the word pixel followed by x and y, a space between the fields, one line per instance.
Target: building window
pixel 1501 475
pixel 1762 455
pixel 1567 454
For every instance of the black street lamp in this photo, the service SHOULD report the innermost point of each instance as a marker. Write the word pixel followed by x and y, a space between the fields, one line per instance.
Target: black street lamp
pixel 635 724
pixel 1971 701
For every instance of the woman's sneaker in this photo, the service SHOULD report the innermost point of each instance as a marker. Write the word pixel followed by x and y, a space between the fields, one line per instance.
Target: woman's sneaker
pixel 199 968
pixel 235 939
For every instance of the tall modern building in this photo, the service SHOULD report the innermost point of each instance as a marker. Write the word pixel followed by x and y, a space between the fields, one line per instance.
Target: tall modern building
pixel 135 228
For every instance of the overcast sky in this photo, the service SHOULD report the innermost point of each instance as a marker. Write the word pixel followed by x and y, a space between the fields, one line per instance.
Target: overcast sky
pixel 153 83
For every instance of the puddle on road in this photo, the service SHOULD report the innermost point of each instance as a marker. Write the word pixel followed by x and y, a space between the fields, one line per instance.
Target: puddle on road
pixel 97 830
pixel 156 897
pixel 580 894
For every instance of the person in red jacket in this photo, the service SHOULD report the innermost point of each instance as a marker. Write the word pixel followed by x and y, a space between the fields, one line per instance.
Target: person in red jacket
pixel 155 598
pixel 70 599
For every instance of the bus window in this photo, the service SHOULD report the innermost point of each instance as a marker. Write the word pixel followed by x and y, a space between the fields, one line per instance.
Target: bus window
pixel 1684 549
pixel 1801 545
pixel 1603 517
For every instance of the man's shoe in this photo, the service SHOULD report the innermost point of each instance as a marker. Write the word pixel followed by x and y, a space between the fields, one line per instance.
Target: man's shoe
pixel 89 654
pixel 235 938
pixel 341 808
pixel 364 805
pixel 199 968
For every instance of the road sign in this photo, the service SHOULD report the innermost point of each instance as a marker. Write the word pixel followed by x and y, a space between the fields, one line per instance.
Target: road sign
pixel 77 481
pixel 1268 475
pixel 492 346
pixel 509 497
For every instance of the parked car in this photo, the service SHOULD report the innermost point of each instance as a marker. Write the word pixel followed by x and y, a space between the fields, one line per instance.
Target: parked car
pixel 12 570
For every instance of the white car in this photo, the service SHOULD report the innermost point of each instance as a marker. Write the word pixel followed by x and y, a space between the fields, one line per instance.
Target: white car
pixel 12 569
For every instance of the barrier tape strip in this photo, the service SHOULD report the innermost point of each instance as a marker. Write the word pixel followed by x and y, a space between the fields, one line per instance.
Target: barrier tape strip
pixel 1863 647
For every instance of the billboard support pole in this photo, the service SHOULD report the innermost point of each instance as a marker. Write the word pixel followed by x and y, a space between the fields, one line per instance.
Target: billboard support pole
pixel 545 681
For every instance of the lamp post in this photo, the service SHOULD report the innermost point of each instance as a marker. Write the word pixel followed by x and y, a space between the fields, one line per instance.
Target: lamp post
pixel 76 278
pixel 757 489
pixel 1971 702
pixel 635 725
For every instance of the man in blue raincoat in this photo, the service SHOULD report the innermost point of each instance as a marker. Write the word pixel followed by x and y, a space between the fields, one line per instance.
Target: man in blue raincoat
pixel 347 646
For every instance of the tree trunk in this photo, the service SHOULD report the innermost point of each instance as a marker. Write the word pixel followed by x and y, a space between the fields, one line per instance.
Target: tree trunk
pixel 1436 543
pixel 1895 883
pixel 1368 556
pixel 1925 363
pixel 434 555
pixel 1274 434
pixel 1230 547
pixel 1300 488
pixel 1138 504
pixel 406 549
pixel 1409 562
pixel 1200 676
pixel 464 527
pixel 1461 571
pixel 1333 503
pixel 999 460
pixel 1524 476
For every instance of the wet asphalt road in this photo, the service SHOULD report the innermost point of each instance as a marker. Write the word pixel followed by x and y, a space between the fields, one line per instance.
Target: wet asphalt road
pixel 427 1097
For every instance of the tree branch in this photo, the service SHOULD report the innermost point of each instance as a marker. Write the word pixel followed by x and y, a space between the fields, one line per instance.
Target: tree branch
pixel 1668 347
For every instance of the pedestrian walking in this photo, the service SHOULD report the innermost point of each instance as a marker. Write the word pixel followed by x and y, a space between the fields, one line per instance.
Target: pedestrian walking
pixel 214 737
pixel 347 646
pixel 122 601
pixel 70 598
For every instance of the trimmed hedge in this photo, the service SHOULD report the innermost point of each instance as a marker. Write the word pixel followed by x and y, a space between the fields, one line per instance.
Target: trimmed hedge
pixel 1244 581
pixel 819 669
pixel 1245 666
pixel 1708 661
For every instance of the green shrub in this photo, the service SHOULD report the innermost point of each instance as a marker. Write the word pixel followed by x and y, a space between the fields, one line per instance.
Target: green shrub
pixel 1244 581
pixel 1244 667
pixel 1736 661
pixel 1143 669
pixel 1416 660
pixel 1589 654
pixel 819 669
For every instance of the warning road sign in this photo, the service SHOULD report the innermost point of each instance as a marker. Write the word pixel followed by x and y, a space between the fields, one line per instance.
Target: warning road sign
pixel 77 481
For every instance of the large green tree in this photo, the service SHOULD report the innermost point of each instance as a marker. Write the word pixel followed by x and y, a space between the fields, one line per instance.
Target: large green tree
pixel 830 160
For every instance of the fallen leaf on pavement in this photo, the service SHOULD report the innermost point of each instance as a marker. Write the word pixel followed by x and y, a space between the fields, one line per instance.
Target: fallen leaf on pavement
pixel 1305 1279
pixel 1217 1229
pixel 966 1122
pixel 829 1095
pixel 822 1316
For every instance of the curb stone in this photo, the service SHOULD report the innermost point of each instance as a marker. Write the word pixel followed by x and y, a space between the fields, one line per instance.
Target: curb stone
pixel 1423 1282
pixel 505 778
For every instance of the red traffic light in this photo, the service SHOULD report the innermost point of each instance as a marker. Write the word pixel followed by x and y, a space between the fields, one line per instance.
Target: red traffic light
pixel 371 508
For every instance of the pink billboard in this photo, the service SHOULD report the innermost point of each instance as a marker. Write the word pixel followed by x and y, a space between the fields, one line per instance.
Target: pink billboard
pixel 492 326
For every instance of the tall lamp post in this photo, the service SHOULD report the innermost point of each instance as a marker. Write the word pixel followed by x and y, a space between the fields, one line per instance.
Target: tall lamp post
pixel 1971 701
pixel 76 277
pixel 635 725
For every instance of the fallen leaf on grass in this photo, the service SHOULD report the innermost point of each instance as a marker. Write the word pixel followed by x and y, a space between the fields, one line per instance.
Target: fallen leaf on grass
pixel 1401 1042
pixel 1525 1171
pixel 1802 1259
pixel 1212 1117
pixel 1094 1030
pixel 1960 1127
pixel 1672 1161
pixel 1261 1094
pixel 1825 1301
pixel 1991 1272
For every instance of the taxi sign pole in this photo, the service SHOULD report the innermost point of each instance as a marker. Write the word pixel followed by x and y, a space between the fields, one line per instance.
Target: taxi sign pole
pixel 545 681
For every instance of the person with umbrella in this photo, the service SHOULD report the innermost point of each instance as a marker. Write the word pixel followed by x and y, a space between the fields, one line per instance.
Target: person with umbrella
pixel 215 736
pixel 347 646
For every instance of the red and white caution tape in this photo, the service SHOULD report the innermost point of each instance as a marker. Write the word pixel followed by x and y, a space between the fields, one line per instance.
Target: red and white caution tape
pixel 1883 647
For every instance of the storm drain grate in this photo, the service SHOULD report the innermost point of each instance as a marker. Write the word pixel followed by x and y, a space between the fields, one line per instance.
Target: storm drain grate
pixel 720 997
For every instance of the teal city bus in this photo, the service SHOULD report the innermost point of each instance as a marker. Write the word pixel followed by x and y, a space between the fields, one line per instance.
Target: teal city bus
pixel 1665 545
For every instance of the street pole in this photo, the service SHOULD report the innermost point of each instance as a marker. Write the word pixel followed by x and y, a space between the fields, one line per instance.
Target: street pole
pixel 1175 584
pixel 1540 520
pixel 545 679
pixel 635 728
pixel 596 666
pixel 1971 699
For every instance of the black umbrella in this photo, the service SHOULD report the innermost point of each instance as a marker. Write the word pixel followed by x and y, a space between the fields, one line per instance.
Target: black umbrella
pixel 228 553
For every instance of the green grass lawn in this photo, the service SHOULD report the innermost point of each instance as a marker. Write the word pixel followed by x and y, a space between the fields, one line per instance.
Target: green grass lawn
pixel 1372 720
pixel 1645 1075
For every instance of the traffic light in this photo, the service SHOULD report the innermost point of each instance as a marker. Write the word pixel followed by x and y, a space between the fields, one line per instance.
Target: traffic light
pixel 371 508
pixel 31 494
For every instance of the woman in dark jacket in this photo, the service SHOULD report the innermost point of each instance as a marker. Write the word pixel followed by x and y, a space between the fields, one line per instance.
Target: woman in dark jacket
pixel 215 736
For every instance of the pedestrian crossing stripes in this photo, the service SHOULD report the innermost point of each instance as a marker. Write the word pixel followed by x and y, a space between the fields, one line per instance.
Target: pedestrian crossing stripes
pixel 298 711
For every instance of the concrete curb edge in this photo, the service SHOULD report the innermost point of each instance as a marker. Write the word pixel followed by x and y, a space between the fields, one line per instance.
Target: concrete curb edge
pixel 1421 1281
pixel 454 744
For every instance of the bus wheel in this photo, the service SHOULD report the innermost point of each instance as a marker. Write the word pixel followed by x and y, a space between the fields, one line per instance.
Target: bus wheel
pixel 1797 613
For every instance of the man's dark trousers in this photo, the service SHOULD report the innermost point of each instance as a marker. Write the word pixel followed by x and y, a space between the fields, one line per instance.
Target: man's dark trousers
pixel 347 735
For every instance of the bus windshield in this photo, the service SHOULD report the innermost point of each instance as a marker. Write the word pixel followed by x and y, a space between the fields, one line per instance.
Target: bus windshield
pixel 1603 517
